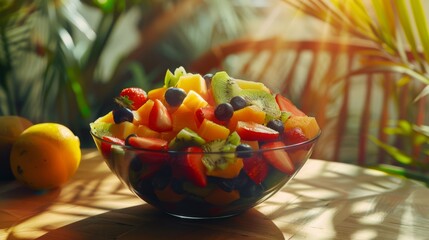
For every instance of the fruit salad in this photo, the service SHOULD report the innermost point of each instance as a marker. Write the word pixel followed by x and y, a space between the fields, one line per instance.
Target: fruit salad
pixel 204 146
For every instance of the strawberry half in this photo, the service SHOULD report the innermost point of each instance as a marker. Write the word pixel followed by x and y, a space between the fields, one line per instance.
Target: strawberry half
pixel 206 112
pixel 294 136
pixel 159 117
pixel 278 158
pixel 148 143
pixel 195 170
pixel 286 105
pixel 250 131
pixel 135 97
pixel 106 145
pixel 256 168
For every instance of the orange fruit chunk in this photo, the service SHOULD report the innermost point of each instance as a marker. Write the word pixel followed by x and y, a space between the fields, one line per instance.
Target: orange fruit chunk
pixel 182 118
pixel 231 171
pixel 144 112
pixel 194 82
pixel 250 112
pixel 210 131
pixel 309 125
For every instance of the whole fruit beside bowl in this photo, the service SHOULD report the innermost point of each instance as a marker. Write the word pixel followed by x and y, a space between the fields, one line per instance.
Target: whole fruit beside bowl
pixel 206 147
pixel 45 156
pixel 10 129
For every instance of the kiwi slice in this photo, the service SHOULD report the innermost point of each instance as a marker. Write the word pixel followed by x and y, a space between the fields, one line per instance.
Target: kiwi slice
pixel 171 79
pixel 185 138
pixel 233 139
pixel 265 101
pixel 101 128
pixel 223 154
pixel 224 88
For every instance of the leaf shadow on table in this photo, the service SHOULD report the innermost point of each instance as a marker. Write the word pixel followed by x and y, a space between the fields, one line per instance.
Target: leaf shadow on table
pixel 357 203
pixel 146 222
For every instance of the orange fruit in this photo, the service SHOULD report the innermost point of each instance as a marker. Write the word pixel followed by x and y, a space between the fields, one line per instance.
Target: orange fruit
pixel 45 156
pixel 10 129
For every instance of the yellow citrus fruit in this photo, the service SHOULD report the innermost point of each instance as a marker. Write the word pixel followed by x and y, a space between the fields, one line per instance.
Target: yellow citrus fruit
pixel 10 128
pixel 45 156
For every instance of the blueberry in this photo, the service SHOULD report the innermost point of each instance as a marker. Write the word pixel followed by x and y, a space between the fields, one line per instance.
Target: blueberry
pixel 174 96
pixel 238 102
pixel 229 185
pixel 177 186
pixel 277 125
pixel 224 111
pixel 244 150
pixel 252 191
pixel 122 114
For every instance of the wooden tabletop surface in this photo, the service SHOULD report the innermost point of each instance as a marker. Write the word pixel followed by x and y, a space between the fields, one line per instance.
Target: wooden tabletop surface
pixel 325 200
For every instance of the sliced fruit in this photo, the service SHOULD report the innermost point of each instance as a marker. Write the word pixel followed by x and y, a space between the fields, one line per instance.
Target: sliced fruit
pixel 171 79
pixel 194 101
pixel 135 97
pixel 210 131
pixel 250 112
pixel 294 135
pixel 220 197
pixel 122 130
pixel 251 131
pixel 159 117
pixel 144 131
pixel 195 169
pixel 182 119
pixel 265 101
pixel 223 88
pixel 219 154
pixel 256 168
pixel 148 143
pixel 144 112
pixel 194 82
pixel 106 146
pixel 231 171
pixel 243 84
pixel 278 158
pixel 157 93
pixel 308 125
pixel 108 118
pixel 186 138
pixel 286 105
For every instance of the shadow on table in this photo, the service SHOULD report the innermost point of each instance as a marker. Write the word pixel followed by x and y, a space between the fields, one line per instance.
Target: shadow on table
pixel 146 222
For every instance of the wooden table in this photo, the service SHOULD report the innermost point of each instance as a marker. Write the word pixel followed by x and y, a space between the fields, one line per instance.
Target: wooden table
pixel 326 200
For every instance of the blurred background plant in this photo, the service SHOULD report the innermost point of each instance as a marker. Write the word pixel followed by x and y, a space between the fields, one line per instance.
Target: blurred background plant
pixel 64 61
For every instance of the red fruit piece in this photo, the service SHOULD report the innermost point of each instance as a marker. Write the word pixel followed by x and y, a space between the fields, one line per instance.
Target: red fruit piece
pixel 250 131
pixel 294 136
pixel 153 144
pixel 286 105
pixel 278 158
pixel 136 97
pixel 195 170
pixel 106 145
pixel 206 112
pixel 159 117
pixel 256 168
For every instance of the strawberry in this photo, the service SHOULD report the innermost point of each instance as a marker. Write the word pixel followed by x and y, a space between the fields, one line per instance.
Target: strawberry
pixel 278 158
pixel 294 136
pixel 194 168
pixel 206 112
pixel 256 168
pixel 286 105
pixel 106 145
pixel 152 144
pixel 250 131
pixel 159 117
pixel 133 97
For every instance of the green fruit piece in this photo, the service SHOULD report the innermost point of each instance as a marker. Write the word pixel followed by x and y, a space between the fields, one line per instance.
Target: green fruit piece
pixel 224 88
pixel 234 139
pixel 185 138
pixel 101 128
pixel 284 115
pixel 171 79
pixel 219 154
pixel 265 101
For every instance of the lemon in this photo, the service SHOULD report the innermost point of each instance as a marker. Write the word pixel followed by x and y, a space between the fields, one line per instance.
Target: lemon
pixel 45 156
pixel 10 129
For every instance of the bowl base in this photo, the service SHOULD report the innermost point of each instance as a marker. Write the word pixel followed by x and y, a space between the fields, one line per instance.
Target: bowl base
pixel 202 217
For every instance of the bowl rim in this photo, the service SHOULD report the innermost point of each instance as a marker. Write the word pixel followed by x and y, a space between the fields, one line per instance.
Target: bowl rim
pixel 286 147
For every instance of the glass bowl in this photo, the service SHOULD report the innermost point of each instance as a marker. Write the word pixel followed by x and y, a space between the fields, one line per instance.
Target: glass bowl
pixel 160 178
